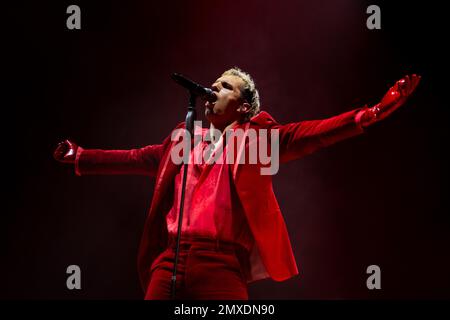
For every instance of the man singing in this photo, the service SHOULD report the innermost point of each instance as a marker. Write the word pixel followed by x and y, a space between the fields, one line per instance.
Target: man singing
pixel 233 232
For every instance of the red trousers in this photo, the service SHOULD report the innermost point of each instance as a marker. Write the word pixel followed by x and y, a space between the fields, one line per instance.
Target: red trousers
pixel 207 270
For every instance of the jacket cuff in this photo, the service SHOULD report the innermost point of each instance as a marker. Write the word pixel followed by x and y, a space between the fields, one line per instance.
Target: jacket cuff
pixel 358 117
pixel 77 160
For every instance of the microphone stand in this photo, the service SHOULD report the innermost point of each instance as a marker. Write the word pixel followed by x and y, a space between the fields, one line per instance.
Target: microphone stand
pixel 190 118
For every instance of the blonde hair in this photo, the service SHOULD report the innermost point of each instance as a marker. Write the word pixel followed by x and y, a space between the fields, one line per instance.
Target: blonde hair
pixel 248 91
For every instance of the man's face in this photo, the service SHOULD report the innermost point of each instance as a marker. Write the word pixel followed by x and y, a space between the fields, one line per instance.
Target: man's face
pixel 229 105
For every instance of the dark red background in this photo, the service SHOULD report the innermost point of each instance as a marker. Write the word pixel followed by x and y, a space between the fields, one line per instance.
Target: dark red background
pixel 380 198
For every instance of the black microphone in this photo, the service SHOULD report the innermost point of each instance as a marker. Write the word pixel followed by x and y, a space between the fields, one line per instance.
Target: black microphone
pixel 195 88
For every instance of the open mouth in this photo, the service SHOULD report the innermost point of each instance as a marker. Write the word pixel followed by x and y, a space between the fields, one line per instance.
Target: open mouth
pixel 210 105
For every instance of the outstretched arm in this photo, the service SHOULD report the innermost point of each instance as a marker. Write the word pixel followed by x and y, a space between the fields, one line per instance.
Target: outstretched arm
pixel 301 138
pixel 142 161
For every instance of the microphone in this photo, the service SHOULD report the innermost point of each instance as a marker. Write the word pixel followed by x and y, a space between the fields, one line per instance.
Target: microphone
pixel 195 88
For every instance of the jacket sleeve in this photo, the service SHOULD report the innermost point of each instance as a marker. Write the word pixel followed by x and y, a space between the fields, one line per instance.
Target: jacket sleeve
pixel 141 161
pixel 301 138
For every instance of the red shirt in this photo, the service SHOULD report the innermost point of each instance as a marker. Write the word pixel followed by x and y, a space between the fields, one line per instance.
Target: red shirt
pixel 212 208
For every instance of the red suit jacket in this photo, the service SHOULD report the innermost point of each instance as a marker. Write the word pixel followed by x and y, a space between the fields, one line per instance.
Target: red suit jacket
pixel 272 255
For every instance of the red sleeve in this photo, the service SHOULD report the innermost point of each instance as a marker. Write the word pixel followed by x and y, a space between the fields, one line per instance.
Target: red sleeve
pixel 301 138
pixel 142 161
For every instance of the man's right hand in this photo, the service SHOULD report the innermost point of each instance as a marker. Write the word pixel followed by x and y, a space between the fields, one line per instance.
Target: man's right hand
pixel 66 151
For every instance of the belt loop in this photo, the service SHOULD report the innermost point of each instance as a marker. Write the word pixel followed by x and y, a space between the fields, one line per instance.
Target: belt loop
pixel 217 244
